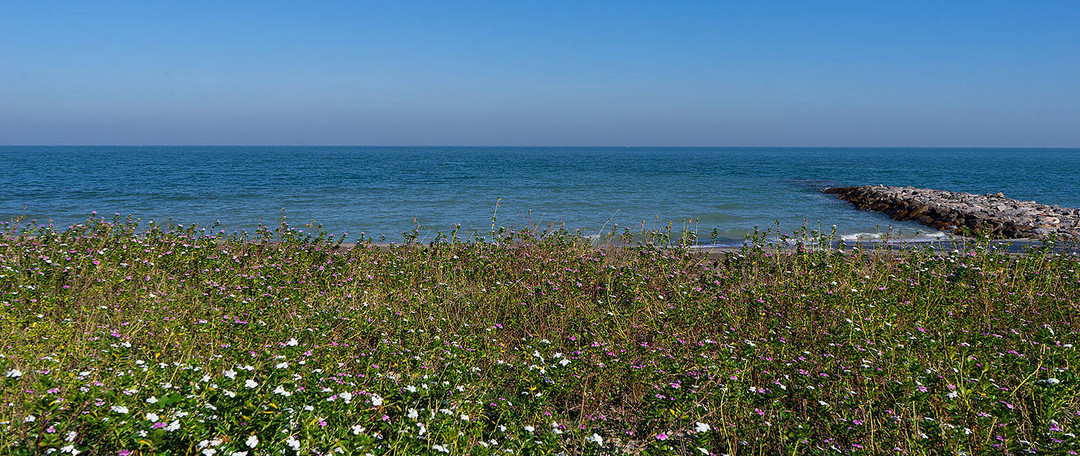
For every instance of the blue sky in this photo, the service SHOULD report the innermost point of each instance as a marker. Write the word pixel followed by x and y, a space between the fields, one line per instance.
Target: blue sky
pixel 858 73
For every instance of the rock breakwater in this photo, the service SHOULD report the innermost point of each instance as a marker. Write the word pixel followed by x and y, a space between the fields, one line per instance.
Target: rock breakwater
pixel 989 214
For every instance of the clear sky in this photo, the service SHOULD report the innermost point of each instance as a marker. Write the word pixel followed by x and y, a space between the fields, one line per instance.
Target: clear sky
pixel 711 73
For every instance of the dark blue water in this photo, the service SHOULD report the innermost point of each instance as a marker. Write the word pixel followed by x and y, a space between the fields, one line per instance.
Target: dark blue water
pixel 390 190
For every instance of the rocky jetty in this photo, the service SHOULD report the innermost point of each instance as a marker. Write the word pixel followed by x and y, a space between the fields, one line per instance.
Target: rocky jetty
pixel 993 214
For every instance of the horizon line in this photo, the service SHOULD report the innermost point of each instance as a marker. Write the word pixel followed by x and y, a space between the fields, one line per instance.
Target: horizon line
pixel 541 146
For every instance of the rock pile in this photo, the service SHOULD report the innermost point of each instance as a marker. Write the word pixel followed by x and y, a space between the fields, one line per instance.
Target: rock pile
pixel 965 213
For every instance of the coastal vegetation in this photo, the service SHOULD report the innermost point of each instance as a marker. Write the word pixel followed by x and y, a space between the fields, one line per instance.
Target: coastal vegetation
pixel 125 337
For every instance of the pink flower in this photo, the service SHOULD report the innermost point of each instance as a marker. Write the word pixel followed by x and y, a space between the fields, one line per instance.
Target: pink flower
pixel 661 436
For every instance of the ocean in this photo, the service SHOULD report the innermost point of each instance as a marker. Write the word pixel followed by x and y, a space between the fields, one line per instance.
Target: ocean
pixel 383 192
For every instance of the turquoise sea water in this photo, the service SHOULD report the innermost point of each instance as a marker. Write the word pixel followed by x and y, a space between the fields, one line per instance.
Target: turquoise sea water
pixel 385 191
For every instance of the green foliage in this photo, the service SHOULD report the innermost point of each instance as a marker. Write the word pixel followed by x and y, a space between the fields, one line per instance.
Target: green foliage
pixel 121 339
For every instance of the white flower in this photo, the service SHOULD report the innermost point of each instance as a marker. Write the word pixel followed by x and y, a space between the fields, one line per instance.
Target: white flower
pixel 410 388
pixel 412 414
pixel 595 438
pixel 238 453
pixel 151 417
pixel 376 400
pixel 251 383
pixel 151 400
pixel 230 393
pixel 464 417
pixel 30 418
pixel 440 448
pixel 209 452
pixel 281 390
pixel 70 449
pixel 951 394
pixel 530 428
pixel 345 396
pixel 70 437
pixel 282 365
pixel 701 427
pixel 292 342
pixel 173 426
pixel 252 441
pixel 230 373
pixel 1053 381
pixel 293 443
pixel 14 373
pixel 702 450
pixel 119 409
pixel 357 429
pixel 564 362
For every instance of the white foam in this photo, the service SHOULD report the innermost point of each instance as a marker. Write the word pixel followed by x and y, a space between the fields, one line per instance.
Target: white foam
pixel 894 238
pixel 860 237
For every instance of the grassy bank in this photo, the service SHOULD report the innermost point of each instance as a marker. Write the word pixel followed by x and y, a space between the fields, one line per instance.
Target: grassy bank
pixel 127 339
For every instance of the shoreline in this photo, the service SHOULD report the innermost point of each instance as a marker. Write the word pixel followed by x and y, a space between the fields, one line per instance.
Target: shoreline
pixel 714 252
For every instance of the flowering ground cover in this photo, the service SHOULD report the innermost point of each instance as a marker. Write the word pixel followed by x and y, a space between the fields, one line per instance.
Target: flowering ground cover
pixel 121 338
